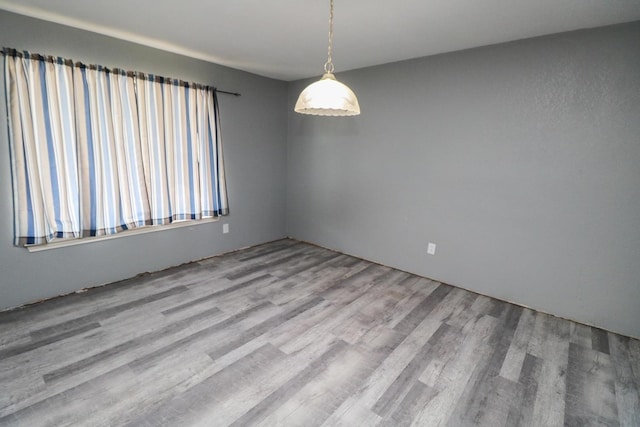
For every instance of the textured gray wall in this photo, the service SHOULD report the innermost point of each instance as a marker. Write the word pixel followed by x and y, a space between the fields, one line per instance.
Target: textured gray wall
pixel 520 160
pixel 254 135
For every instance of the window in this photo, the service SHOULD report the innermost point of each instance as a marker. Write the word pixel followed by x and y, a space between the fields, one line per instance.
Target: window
pixel 96 151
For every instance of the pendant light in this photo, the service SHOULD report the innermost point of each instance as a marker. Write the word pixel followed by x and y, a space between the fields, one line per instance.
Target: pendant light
pixel 327 96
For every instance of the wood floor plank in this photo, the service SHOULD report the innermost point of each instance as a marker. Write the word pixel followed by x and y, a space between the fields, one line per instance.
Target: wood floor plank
pixel 288 333
pixel 322 394
pixel 36 343
pixel 422 310
pixel 415 399
pixel 192 406
pixel 227 328
pixel 52 410
pixel 521 413
pixel 627 386
pixel 218 293
pixel 87 301
pixel 590 396
pixel 246 271
pixel 401 355
pixel 419 289
pixel 306 266
pixel 444 353
pixel 263 327
pixel 103 314
pixel 550 343
pixel 600 340
pixel 486 385
pixel 580 335
pixel 259 413
pixel 517 351
pixel 72 378
pixel 352 413
pixel 269 386
pixel 313 284
pixel 454 377
pixel 145 340
pixel 404 382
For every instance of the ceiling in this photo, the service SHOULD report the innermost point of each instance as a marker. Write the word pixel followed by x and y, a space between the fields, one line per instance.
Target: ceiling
pixel 287 39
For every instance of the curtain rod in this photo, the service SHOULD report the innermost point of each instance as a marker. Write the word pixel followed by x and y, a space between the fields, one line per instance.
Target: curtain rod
pixel 14 52
pixel 228 93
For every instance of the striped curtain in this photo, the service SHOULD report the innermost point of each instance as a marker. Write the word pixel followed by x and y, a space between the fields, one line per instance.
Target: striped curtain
pixel 97 151
pixel 110 167
pixel 180 136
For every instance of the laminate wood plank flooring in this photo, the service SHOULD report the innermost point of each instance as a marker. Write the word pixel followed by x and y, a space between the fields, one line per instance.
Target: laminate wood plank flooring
pixel 290 334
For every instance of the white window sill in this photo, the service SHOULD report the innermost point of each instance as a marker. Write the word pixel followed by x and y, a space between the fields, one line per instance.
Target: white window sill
pixel 55 244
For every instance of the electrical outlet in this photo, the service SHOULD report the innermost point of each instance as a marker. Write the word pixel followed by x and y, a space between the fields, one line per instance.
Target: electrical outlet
pixel 225 228
pixel 431 248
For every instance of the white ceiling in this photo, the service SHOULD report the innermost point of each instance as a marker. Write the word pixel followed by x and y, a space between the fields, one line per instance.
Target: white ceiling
pixel 287 39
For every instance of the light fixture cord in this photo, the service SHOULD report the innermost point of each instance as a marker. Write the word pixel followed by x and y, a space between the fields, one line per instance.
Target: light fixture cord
pixel 328 66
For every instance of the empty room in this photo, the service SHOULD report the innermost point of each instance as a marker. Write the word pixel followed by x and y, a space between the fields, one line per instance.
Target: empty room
pixel 320 213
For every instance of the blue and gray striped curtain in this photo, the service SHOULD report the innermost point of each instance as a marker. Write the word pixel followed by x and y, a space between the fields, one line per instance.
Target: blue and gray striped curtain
pixel 97 151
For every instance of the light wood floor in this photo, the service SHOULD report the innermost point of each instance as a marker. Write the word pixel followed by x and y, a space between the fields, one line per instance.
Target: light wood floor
pixel 291 334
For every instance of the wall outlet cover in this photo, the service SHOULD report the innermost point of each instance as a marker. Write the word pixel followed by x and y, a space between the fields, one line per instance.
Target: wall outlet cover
pixel 431 248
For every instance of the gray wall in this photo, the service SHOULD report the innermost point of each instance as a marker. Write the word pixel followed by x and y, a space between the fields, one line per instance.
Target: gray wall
pixel 520 160
pixel 254 135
